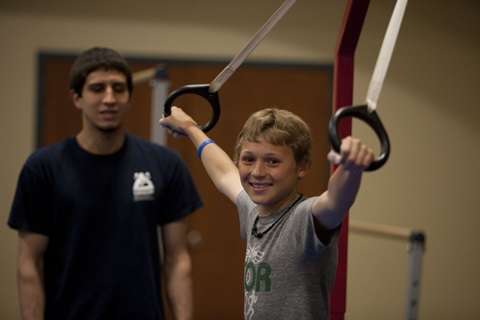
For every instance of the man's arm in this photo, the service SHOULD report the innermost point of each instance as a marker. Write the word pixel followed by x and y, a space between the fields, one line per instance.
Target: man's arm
pixel 178 269
pixel 331 207
pixel 31 247
pixel 219 166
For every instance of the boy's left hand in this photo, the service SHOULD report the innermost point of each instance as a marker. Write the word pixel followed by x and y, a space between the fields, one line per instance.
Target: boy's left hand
pixel 354 155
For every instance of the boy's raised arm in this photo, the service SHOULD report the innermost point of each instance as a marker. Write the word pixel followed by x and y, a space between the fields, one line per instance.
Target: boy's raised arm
pixel 217 163
pixel 332 206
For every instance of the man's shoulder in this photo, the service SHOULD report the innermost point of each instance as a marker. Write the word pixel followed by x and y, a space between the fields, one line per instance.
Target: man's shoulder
pixel 49 152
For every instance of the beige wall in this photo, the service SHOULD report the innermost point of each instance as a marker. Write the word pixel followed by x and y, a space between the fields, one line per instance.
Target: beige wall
pixel 430 106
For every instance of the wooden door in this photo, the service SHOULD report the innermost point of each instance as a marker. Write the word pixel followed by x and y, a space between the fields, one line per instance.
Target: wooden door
pixel 218 253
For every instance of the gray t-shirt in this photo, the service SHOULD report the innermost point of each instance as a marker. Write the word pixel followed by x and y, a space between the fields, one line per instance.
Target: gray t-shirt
pixel 289 273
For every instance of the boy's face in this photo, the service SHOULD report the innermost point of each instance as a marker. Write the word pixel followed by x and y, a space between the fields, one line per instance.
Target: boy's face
pixel 269 174
pixel 104 101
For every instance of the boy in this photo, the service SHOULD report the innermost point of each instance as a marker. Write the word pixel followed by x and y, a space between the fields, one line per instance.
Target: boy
pixel 291 256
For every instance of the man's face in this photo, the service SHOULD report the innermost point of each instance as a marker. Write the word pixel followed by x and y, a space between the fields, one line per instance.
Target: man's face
pixel 104 101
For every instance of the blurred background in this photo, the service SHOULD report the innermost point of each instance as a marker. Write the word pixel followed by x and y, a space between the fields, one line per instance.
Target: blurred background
pixel 430 105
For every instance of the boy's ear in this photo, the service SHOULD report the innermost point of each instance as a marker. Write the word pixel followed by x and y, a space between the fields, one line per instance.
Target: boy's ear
pixel 303 169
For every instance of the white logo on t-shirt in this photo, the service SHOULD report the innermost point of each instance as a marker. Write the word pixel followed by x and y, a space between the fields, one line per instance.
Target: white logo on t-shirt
pixel 143 188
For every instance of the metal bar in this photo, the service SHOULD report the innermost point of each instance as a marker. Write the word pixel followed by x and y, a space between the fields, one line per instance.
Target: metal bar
pixel 157 77
pixel 347 40
pixel 381 230
pixel 160 88
pixel 143 76
pixel 416 248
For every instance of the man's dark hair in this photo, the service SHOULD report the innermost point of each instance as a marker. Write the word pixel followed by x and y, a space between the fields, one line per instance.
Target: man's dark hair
pixel 97 59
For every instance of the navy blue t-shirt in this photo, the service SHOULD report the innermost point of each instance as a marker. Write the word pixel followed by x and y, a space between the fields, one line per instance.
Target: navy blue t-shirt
pixel 101 215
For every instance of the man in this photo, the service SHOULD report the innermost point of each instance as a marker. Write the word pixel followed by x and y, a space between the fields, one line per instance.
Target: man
pixel 87 211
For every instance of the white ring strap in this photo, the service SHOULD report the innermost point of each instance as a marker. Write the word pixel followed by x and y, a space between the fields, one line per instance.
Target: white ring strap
pixel 386 51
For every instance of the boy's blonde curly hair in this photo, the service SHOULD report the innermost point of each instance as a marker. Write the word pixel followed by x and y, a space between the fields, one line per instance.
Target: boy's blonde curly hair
pixel 278 127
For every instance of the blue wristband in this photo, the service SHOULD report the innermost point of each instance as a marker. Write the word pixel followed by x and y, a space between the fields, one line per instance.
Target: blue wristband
pixel 200 149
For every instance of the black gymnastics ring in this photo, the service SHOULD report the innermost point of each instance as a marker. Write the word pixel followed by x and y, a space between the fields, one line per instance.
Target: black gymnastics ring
pixel 203 91
pixel 371 118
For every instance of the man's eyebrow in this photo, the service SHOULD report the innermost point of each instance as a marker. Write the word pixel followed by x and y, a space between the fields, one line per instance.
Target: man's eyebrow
pixel 104 83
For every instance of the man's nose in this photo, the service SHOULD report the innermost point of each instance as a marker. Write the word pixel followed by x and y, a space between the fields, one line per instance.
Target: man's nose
pixel 109 96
